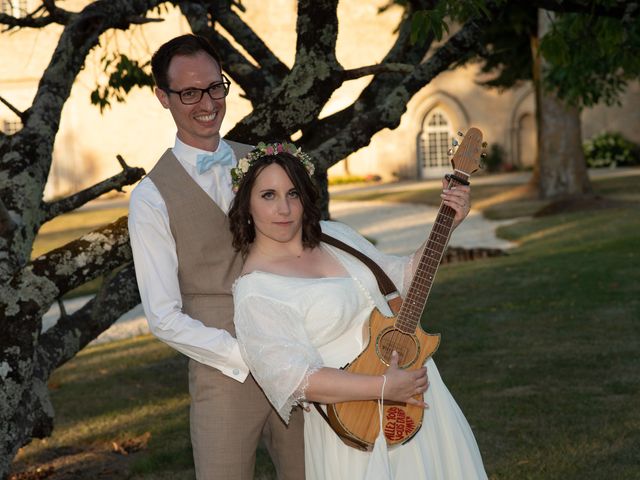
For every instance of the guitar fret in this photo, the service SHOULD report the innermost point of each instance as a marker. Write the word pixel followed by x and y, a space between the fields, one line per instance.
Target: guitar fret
pixel 436 245
pixel 431 263
pixel 416 297
pixel 424 277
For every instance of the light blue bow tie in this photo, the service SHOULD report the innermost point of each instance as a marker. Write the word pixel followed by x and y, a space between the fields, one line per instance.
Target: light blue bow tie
pixel 224 156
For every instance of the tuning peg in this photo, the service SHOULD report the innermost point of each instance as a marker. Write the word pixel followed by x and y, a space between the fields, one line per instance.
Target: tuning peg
pixel 481 163
pixel 460 133
pixel 454 142
pixel 450 151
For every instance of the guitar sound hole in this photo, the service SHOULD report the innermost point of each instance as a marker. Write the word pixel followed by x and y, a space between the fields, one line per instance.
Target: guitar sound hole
pixel 405 345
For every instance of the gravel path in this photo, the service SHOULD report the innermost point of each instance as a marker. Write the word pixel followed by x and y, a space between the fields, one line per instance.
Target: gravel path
pixel 400 228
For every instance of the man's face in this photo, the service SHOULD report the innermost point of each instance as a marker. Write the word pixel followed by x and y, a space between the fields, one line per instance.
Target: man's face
pixel 199 124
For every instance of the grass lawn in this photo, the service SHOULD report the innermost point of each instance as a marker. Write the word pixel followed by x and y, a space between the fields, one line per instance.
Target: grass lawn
pixel 541 349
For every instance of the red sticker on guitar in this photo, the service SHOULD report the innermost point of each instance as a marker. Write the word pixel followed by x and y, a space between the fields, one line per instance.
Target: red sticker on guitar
pixel 398 425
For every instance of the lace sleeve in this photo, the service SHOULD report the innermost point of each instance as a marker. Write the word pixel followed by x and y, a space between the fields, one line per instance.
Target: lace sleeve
pixel 275 346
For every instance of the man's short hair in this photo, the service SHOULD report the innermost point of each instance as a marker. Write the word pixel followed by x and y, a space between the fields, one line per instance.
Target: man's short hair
pixel 186 45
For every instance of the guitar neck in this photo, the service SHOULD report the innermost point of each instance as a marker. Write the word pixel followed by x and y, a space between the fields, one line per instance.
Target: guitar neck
pixel 416 298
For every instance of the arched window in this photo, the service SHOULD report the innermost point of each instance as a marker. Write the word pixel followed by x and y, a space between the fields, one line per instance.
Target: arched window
pixel 434 143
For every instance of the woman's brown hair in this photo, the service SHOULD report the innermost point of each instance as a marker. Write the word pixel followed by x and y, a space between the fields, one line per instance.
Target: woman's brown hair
pixel 240 222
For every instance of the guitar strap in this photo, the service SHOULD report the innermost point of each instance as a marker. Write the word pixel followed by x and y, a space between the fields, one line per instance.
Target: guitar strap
pixel 384 282
pixel 387 288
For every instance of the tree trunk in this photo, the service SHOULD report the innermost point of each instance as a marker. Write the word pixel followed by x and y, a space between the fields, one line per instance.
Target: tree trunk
pixel 562 166
pixel 561 169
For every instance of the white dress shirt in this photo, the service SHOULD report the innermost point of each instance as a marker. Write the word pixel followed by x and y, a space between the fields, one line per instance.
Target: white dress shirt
pixel 156 260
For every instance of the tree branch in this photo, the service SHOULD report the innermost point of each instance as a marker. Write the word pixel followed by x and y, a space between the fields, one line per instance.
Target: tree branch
pixel 377 69
pixel 315 75
pixel 28 22
pixel 244 73
pixel 34 20
pixel 140 20
pixel 402 51
pixel 20 114
pixel 118 295
pixel 32 290
pixel 128 176
pixel 79 37
pixel 238 5
pixel 30 157
pixel 364 123
pixel 84 259
pixel 270 65
pixel 60 15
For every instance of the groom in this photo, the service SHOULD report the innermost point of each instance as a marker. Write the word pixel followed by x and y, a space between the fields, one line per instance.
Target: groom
pixel 186 266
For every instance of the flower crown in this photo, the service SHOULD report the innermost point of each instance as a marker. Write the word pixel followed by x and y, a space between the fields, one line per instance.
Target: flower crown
pixel 264 149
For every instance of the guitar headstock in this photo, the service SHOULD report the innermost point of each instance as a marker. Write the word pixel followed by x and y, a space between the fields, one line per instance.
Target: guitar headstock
pixel 466 158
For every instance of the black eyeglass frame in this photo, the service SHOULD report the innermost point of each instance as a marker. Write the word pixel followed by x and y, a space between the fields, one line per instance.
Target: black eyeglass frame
pixel 225 83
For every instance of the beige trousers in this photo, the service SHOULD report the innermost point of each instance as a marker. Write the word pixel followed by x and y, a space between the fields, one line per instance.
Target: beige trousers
pixel 228 419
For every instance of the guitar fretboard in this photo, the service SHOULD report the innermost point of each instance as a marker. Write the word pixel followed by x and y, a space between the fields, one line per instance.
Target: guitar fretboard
pixel 416 297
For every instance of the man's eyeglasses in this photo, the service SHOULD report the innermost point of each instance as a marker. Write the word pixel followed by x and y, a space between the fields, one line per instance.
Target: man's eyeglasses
pixel 191 96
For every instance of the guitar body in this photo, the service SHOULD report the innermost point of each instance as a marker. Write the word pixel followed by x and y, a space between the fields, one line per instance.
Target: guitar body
pixel 357 422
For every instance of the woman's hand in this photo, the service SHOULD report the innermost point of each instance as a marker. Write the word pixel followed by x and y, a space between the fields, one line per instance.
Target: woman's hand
pixel 403 385
pixel 458 198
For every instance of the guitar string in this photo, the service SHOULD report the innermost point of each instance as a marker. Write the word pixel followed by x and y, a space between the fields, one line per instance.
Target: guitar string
pixel 414 303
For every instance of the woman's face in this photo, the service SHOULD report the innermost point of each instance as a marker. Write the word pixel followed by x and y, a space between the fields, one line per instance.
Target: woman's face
pixel 275 206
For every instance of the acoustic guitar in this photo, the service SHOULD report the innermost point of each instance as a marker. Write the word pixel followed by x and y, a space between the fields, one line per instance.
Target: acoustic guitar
pixel 357 422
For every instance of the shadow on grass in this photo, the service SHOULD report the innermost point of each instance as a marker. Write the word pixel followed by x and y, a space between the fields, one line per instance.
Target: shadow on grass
pixel 111 393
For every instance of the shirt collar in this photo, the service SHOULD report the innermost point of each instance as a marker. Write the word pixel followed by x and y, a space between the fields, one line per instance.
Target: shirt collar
pixel 189 154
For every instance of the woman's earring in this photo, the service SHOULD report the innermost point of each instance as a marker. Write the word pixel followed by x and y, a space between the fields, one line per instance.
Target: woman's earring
pixel 249 221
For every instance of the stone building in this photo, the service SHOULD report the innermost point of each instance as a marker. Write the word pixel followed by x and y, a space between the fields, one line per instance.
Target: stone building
pixel 88 141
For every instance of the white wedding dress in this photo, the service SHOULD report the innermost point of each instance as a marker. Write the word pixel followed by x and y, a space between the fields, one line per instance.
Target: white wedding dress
pixel 289 327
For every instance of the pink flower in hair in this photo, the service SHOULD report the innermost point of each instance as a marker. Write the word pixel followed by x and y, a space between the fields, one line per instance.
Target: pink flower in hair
pixel 262 149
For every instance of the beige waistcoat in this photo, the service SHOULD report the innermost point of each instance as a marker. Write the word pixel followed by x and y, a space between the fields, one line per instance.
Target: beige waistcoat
pixel 207 263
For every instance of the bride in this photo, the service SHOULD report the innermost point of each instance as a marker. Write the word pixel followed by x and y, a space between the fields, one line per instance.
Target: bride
pixel 301 310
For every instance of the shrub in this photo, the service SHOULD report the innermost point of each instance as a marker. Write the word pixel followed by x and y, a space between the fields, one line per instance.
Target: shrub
pixel 610 150
pixel 494 161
